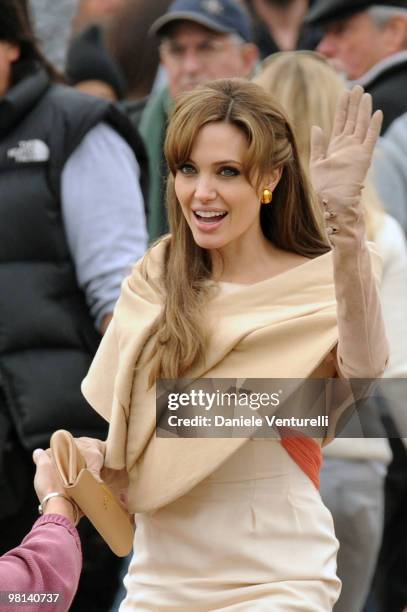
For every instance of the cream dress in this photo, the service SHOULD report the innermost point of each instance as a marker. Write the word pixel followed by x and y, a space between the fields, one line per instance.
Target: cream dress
pixel 255 535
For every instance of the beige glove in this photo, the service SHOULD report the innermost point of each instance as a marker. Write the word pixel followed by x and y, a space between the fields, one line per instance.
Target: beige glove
pixel 338 171
pixel 338 168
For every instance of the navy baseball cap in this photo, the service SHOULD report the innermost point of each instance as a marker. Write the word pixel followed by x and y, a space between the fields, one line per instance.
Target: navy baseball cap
pixel 223 16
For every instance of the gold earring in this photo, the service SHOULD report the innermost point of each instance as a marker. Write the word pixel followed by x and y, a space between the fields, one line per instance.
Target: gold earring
pixel 267 196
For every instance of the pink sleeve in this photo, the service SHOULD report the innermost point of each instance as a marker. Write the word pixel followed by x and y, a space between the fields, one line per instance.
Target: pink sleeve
pixel 49 560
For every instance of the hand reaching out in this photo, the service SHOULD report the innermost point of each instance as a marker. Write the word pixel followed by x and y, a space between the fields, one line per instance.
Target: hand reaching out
pixel 47 481
pixel 46 478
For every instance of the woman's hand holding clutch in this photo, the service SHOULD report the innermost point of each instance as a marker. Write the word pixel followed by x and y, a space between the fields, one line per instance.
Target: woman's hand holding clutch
pixel 79 463
pixel 93 451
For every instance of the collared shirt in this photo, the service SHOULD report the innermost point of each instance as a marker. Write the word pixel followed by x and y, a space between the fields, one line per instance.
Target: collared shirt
pixel 389 62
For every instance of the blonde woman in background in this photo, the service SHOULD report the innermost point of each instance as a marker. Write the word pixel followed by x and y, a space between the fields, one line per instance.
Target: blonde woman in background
pixel 352 480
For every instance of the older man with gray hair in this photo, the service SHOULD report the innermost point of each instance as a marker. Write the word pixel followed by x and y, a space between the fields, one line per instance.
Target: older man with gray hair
pixel 367 41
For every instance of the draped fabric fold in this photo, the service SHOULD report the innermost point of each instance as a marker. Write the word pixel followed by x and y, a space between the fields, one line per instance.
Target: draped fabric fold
pixel 283 327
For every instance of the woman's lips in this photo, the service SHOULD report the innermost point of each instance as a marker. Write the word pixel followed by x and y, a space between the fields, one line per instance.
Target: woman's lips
pixel 208 224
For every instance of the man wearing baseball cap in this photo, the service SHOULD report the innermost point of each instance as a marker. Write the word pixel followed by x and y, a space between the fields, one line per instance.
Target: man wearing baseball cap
pixel 200 40
pixel 367 41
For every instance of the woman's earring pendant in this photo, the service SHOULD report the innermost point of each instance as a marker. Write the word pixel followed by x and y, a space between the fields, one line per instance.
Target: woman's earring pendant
pixel 267 196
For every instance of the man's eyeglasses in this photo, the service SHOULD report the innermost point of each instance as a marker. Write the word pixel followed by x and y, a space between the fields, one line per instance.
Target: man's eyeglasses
pixel 205 50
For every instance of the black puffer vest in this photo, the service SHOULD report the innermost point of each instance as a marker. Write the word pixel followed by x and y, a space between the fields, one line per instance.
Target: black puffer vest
pixel 47 337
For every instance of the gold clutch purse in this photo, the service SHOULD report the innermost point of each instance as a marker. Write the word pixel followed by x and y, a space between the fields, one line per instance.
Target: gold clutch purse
pixel 94 498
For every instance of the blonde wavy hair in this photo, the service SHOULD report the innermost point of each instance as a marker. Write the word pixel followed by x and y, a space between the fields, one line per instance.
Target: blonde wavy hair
pixel 308 90
pixel 290 223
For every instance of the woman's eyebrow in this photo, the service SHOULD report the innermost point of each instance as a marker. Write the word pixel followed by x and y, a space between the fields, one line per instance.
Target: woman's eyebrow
pixel 227 161
pixel 218 162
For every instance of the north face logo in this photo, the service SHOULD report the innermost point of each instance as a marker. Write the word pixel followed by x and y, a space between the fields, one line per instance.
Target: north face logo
pixel 29 151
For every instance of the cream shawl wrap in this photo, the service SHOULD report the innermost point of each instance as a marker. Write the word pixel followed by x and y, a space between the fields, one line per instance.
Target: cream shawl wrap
pixel 283 327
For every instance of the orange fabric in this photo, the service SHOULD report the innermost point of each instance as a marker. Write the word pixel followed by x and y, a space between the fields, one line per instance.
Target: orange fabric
pixel 304 451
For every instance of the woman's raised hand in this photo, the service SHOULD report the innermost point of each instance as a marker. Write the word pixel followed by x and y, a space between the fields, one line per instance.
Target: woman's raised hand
pixel 339 167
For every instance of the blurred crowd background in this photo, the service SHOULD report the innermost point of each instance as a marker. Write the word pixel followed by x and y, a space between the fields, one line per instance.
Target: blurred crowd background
pixel 133 57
